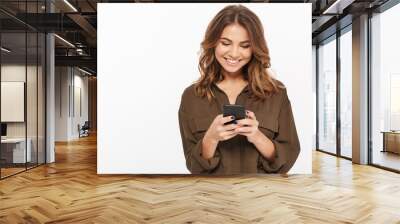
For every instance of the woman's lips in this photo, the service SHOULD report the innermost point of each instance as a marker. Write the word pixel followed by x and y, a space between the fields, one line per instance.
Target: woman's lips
pixel 231 61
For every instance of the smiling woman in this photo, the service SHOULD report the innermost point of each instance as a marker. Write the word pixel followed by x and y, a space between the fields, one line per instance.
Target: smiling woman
pixel 235 69
pixel 233 49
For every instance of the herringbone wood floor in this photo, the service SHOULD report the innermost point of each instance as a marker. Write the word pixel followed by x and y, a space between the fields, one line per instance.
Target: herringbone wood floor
pixel 70 191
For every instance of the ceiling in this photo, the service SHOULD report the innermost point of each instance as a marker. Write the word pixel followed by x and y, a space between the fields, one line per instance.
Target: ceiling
pixel 76 22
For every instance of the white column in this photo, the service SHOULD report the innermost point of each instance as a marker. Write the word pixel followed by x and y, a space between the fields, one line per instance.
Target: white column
pixel 50 110
pixel 50 93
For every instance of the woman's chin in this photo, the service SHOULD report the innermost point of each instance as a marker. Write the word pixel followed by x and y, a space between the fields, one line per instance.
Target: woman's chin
pixel 232 71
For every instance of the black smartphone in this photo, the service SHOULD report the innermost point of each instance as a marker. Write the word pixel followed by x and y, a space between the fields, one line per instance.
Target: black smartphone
pixel 234 110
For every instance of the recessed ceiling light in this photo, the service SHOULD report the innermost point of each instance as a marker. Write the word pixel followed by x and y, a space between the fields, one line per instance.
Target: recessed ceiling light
pixel 64 40
pixel 84 71
pixel 337 7
pixel 5 50
pixel 70 5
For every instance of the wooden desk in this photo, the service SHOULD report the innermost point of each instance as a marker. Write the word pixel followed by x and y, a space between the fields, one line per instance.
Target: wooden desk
pixel 391 141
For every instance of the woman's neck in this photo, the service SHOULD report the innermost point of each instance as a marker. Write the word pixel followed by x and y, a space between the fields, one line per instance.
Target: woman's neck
pixel 233 78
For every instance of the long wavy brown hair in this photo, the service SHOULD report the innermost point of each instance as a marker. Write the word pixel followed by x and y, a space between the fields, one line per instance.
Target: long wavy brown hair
pixel 256 71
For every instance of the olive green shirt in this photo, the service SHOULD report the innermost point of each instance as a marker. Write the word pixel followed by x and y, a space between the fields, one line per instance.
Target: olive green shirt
pixel 237 155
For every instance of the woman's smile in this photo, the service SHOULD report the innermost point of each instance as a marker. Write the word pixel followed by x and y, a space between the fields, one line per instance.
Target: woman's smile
pixel 232 62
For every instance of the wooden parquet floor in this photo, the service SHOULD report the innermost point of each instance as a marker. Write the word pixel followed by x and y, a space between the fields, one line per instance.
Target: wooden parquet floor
pixel 70 191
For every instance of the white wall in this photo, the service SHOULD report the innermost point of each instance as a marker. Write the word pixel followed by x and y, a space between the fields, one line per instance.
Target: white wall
pixel 12 101
pixel 17 73
pixel 33 127
pixel 12 73
pixel 68 83
pixel 61 103
pixel 148 54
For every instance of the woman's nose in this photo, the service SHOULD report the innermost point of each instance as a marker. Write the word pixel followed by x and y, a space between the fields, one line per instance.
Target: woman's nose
pixel 234 52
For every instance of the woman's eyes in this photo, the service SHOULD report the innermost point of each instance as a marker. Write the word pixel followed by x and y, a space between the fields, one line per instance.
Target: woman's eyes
pixel 227 44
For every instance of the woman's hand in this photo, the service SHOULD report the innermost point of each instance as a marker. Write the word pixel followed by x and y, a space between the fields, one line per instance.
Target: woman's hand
pixel 220 132
pixel 215 133
pixel 249 127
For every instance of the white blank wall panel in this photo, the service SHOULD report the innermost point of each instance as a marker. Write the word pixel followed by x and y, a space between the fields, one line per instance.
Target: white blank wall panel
pixel 148 54
pixel 12 101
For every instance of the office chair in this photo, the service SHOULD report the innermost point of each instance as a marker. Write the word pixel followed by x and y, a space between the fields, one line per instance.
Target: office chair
pixel 84 130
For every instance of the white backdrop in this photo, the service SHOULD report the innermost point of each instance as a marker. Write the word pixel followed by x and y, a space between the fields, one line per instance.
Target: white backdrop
pixel 148 54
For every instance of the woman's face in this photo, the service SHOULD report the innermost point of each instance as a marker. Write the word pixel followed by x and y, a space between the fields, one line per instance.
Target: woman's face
pixel 233 49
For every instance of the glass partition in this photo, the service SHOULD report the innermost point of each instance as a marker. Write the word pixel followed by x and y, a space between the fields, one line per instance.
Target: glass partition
pixel 32 95
pixel 327 96
pixel 22 63
pixel 14 153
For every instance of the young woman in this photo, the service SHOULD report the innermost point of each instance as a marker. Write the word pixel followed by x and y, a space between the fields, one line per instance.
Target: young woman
pixel 234 67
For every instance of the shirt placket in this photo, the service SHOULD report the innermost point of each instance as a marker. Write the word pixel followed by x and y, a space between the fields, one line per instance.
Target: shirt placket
pixel 222 99
pixel 239 100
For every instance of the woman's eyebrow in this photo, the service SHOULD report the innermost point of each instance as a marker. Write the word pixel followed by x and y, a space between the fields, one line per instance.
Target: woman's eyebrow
pixel 246 41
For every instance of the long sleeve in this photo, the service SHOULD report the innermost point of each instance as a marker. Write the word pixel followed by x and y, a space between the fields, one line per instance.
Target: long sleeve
pixel 286 142
pixel 192 148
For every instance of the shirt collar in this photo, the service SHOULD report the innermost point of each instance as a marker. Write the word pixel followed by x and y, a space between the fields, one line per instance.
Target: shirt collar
pixel 246 89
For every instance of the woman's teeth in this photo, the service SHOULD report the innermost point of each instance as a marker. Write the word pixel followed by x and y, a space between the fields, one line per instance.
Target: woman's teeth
pixel 232 62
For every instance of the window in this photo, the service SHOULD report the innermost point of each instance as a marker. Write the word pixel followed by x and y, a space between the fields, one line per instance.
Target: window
pixel 346 93
pixel 385 89
pixel 327 96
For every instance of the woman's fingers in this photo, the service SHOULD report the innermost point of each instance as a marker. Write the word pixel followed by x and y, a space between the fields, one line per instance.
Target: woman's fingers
pixel 251 115
pixel 242 130
pixel 229 127
pixel 229 135
pixel 226 119
pixel 247 122
pixel 244 122
pixel 244 126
